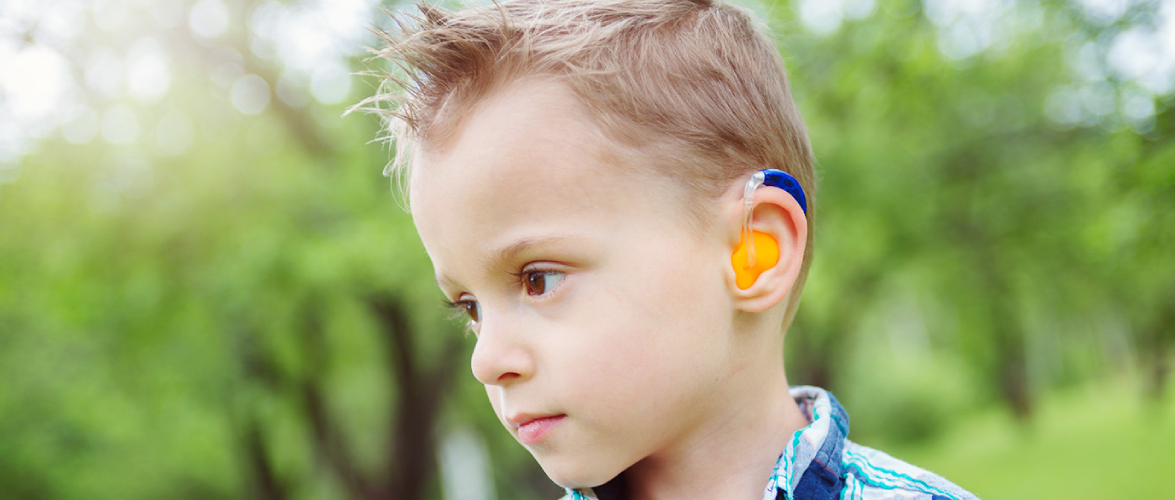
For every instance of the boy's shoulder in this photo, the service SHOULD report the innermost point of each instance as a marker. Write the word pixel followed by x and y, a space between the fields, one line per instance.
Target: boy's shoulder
pixel 820 463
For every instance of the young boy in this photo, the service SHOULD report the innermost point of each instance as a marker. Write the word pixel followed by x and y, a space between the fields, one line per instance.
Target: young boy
pixel 578 172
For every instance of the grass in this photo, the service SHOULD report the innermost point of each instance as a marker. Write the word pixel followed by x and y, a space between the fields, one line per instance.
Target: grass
pixel 1094 442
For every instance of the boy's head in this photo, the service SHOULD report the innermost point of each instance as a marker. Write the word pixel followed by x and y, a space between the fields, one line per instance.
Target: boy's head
pixel 575 171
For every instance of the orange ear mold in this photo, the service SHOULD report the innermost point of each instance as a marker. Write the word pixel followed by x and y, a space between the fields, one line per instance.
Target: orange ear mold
pixel 766 256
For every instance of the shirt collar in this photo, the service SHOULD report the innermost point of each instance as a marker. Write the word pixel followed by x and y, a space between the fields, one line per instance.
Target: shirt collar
pixel 810 466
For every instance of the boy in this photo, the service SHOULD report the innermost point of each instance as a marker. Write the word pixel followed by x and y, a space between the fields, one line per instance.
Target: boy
pixel 578 172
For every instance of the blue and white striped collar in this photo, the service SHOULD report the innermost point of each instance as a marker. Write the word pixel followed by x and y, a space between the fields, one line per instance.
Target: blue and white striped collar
pixel 810 466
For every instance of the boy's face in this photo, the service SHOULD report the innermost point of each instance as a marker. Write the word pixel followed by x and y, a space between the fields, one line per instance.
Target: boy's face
pixel 599 312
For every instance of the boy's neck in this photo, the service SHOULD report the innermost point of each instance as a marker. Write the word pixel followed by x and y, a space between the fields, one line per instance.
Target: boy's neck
pixel 733 457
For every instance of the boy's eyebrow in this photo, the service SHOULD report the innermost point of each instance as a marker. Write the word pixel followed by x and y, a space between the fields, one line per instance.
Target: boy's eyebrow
pixel 500 257
pixel 509 252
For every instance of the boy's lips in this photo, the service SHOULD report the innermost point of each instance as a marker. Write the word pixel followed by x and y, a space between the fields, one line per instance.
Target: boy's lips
pixel 532 428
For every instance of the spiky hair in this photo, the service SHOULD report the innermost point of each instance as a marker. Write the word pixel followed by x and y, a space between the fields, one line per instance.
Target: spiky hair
pixel 696 87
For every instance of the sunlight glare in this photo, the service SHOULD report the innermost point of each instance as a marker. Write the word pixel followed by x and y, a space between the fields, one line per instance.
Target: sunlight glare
pixel 64 22
pixel 822 17
pixel 109 15
pixel 250 94
pixel 859 9
pixel 1104 11
pixel 105 73
pixel 147 74
pixel 331 83
pixel 167 13
pixel 314 38
pixel 209 19
pixel 966 28
pixel 1168 28
pixel 34 80
pixel 1139 109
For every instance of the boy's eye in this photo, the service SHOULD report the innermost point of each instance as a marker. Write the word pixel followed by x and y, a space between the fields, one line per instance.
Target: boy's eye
pixel 541 282
pixel 472 309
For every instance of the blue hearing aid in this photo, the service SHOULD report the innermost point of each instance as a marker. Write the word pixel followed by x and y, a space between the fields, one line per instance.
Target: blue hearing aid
pixel 780 179
pixel 746 273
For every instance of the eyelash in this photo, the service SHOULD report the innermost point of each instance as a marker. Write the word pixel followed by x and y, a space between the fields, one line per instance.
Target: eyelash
pixel 522 276
pixel 458 310
pixel 461 308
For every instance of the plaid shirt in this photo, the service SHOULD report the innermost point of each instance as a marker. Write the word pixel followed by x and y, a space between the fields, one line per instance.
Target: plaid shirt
pixel 821 464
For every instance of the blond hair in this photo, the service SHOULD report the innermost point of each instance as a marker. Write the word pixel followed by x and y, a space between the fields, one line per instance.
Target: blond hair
pixel 694 86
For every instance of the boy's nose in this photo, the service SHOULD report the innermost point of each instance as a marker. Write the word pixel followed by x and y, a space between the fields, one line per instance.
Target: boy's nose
pixel 499 358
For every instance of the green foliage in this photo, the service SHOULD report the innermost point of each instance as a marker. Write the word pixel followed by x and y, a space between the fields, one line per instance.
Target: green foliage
pixel 256 317
pixel 948 191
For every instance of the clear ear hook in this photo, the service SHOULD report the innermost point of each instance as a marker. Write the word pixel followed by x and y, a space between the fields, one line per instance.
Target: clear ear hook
pixel 748 210
pixel 767 177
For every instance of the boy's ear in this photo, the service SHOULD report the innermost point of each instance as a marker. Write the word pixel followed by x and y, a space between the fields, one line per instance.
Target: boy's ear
pixel 776 216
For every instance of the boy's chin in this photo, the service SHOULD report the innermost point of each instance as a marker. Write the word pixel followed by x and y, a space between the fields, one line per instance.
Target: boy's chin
pixel 576 471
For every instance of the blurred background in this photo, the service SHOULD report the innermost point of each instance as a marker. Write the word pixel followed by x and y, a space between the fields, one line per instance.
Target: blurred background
pixel 207 289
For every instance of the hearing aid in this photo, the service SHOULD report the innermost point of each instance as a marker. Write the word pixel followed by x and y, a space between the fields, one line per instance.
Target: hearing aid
pixel 758 251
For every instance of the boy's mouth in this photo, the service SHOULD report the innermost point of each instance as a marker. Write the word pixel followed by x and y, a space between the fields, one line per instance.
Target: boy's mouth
pixel 532 428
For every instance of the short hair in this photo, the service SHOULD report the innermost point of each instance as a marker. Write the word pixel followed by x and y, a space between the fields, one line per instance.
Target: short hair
pixel 695 87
